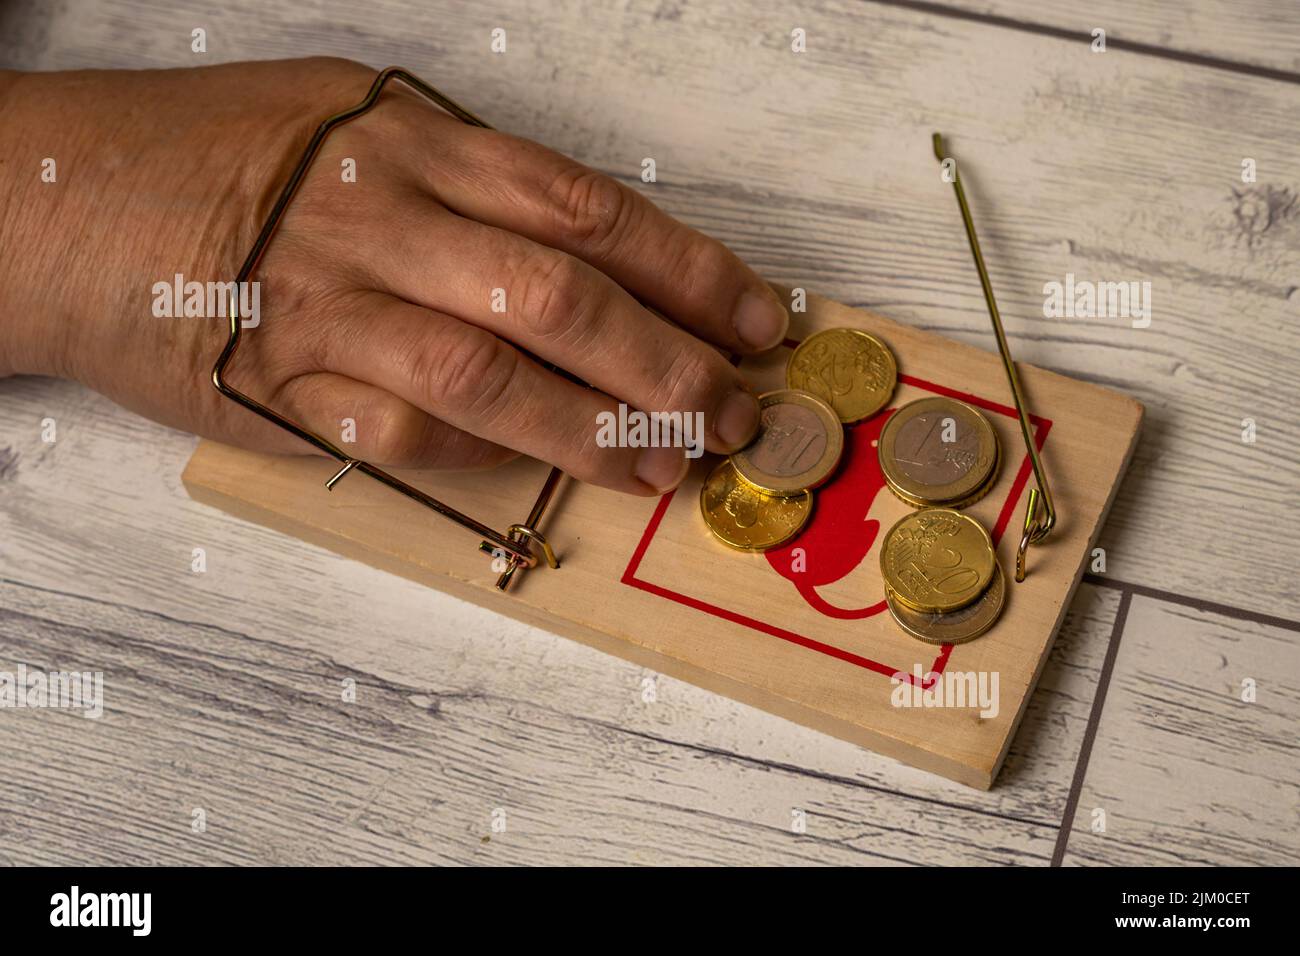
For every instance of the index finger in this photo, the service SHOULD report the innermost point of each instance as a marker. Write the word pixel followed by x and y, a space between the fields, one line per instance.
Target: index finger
pixel 693 279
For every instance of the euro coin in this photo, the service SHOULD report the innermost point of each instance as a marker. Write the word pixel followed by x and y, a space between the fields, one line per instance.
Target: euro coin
pixel 938 451
pixel 960 503
pixel 742 517
pixel 798 445
pixel 852 372
pixel 937 560
pixel 953 627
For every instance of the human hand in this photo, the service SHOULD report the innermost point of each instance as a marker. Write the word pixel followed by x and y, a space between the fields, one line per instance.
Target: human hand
pixel 376 295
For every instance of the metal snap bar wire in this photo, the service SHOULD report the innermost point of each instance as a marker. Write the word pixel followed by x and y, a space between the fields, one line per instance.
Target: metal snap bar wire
pixel 1037 526
pixel 515 545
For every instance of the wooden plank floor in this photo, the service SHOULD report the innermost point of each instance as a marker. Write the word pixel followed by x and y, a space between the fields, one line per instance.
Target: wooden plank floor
pixel 223 688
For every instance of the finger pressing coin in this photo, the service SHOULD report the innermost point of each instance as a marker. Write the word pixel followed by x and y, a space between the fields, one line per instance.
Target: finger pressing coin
pixel 942 580
pixel 798 445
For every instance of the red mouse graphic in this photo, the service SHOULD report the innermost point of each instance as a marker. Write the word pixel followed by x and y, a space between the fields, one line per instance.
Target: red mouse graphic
pixel 840 534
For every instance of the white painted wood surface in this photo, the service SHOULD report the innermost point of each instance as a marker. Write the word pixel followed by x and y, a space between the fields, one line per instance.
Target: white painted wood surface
pixel 223 688
pixel 1223 720
pixel 1250 33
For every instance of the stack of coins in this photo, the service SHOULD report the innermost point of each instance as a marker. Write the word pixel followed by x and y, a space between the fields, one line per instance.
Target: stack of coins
pixel 942 580
pixel 762 496
pixel 943 584
pixel 939 452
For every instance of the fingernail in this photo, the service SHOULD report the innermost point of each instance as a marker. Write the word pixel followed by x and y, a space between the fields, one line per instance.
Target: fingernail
pixel 662 468
pixel 760 320
pixel 737 419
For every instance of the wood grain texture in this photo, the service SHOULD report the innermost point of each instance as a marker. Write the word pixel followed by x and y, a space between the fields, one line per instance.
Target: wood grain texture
pixel 1259 33
pixel 1175 711
pixel 817 170
pixel 644 579
pixel 253 732
pixel 816 167
pixel 107 565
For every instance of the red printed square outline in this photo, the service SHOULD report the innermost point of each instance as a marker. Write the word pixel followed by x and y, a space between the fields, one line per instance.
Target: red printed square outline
pixel 1041 428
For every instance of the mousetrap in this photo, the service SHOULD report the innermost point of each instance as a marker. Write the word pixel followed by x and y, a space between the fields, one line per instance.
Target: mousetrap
pixel 645 580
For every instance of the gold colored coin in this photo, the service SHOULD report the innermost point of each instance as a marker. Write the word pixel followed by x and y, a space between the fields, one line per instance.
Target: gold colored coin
pixel 798 445
pixel 937 560
pixel 954 627
pixel 939 451
pixel 743 517
pixel 852 372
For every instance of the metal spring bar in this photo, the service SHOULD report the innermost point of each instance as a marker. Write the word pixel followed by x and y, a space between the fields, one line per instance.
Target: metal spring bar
pixel 1037 526
pixel 515 545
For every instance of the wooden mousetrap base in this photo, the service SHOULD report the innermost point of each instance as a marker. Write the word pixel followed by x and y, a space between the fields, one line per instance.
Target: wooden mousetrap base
pixel 643 578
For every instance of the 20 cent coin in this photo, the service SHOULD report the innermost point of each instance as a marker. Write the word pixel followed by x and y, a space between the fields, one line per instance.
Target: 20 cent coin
pixel 937 560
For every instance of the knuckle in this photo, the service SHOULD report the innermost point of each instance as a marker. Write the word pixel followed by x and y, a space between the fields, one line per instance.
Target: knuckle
pixel 469 376
pixel 702 263
pixel 692 375
pixel 583 448
pixel 553 299
pixel 581 457
pixel 396 433
pixel 592 209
